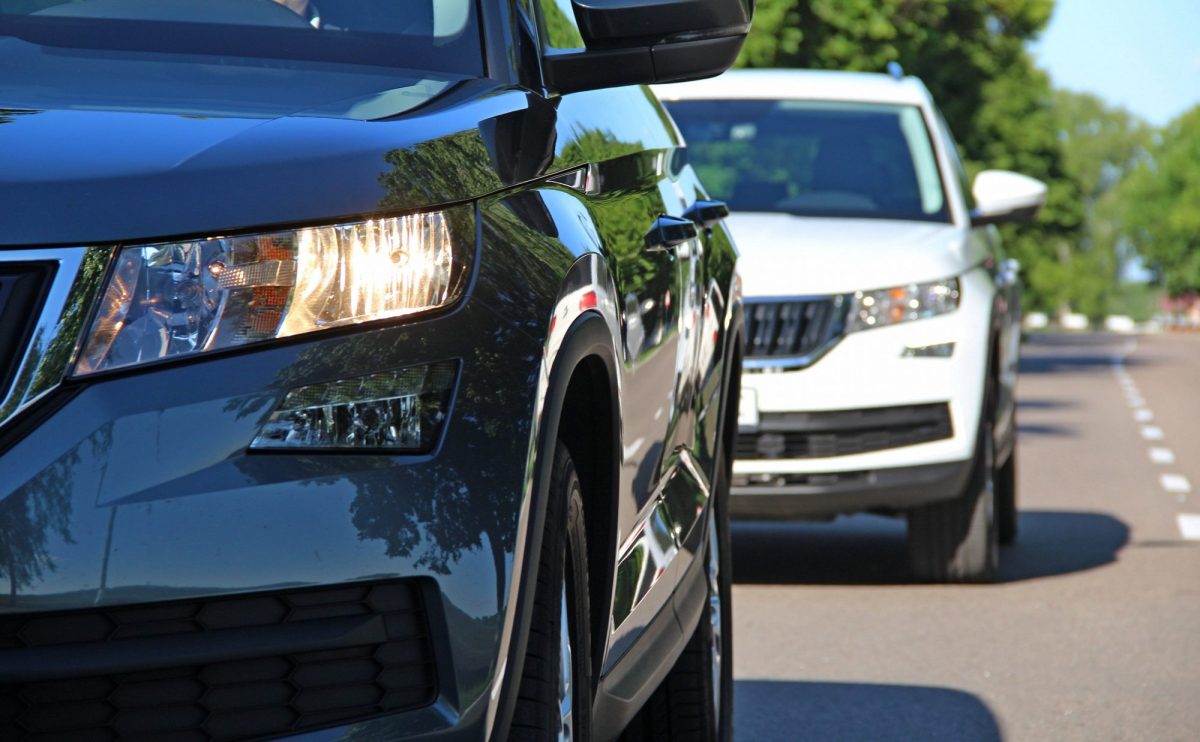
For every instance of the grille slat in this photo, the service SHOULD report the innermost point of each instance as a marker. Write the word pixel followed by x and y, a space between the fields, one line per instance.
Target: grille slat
pixel 814 435
pixel 22 289
pixel 794 328
pixel 234 698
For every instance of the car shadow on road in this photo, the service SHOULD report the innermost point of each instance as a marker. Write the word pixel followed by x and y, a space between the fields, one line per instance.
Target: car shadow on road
pixel 1074 354
pixel 769 710
pixel 1051 403
pixel 1032 429
pixel 870 550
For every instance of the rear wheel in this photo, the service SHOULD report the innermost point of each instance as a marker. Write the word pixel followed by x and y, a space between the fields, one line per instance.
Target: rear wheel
pixel 1006 500
pixel 957 540
pixel 695 701
pixel 555 697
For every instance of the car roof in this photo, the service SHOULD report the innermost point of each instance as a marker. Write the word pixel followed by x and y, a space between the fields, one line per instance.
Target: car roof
pixel 860 87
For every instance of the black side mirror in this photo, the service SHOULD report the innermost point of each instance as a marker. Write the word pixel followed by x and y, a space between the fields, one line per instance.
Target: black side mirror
pixel 632 42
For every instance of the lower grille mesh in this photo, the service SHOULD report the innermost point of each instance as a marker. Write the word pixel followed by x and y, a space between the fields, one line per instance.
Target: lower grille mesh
pixel 820 434
pixel 250 696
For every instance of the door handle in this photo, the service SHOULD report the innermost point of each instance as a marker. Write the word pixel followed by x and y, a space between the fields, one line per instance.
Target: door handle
pixel 707 213
pixel 668 232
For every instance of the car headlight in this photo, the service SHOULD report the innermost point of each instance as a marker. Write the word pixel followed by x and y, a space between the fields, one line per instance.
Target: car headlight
pixel 883 307
pixel 177 299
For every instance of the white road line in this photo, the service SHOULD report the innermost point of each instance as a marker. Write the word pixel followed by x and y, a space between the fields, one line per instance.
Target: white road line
pixel 1162 455
pixel 631 450
pixel 1136 402
pixel 1152 432
pixel 1189 526
pixel 1143 415
pixel 1176 483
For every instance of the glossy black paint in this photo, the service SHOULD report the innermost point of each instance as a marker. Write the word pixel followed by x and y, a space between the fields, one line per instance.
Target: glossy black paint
pixel 137 486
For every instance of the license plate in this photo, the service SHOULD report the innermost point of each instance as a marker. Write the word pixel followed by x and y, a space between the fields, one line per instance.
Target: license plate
pixel 748 410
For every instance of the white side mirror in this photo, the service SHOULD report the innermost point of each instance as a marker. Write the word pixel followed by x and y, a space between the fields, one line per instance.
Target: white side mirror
pixel 1003 196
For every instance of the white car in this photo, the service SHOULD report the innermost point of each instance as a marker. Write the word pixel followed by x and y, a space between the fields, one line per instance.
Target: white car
pixel 882 313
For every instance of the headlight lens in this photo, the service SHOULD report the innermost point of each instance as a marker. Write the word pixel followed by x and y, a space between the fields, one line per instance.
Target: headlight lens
pixel 179 298
pixel 884 307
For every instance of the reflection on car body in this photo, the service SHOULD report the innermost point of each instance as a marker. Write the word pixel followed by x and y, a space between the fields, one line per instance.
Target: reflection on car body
pixel 321 392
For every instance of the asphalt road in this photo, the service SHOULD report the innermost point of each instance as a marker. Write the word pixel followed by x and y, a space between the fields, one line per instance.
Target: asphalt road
pixel 1093 632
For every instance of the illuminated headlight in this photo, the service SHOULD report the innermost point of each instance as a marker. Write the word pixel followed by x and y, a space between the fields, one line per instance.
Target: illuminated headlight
pixel 884 307
pixel 180 298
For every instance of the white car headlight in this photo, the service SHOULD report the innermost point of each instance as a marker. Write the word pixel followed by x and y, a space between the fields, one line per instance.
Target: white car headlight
pixel 180 298
pixel 883 307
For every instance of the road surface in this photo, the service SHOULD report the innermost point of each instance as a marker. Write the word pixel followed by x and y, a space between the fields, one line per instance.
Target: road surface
pixel 1093 632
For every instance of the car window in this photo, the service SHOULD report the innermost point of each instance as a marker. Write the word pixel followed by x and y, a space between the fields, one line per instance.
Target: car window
pixel 956 165
pixel 815 158
pixel 434 35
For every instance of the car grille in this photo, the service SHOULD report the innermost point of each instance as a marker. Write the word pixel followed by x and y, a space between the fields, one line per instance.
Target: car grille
pixel 797 329
pixel 811 435
pixel 22 289
pixel 216 669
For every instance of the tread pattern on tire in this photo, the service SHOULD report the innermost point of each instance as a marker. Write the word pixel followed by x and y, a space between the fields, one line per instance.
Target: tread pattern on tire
pixel 940 538
pixel 535 718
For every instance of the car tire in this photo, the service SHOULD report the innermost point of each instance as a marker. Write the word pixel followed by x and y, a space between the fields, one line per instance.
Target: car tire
pixel 695 701
pixel 958 540
pixel 554 700
pixel 1006 500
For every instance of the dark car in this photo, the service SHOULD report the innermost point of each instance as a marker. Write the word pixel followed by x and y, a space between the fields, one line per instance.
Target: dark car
pixel 369 371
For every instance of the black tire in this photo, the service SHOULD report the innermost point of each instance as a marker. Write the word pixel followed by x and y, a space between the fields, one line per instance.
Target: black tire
pixel 957 540
pixel 1006 500
pixel 695 701
pixel 562 590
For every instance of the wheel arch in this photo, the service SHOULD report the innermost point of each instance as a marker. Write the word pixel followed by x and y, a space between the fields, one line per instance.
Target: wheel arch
pixel 583 379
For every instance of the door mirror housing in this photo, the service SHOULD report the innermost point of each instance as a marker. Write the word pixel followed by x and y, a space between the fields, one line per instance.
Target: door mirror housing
pixel 635 42
pixel 1002 196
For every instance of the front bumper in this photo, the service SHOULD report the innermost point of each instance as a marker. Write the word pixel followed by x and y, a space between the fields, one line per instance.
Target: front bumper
pixel 135 490
pixel 867 373
pixel 827 495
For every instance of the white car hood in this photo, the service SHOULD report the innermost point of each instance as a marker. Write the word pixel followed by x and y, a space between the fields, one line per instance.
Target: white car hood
pixel 785 255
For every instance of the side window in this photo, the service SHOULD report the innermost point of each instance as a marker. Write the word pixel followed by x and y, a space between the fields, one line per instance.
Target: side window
pixel 956 165
pixel 559 28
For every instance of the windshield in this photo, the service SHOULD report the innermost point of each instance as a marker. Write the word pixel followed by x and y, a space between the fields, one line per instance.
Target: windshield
pixel 429 35
pixel 814 158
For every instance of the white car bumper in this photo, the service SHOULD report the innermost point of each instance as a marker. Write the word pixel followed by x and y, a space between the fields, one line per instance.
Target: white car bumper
pixel 870 370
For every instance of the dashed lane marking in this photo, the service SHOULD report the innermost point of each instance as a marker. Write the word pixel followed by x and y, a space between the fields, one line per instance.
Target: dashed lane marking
pixel 1175 483
pixel 1143 415
pixel 1189 526
pixel 1162 455
pixel 1152 432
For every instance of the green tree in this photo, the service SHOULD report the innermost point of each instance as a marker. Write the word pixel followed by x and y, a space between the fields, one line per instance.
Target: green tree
pixel 1101 145
pixel 1160 205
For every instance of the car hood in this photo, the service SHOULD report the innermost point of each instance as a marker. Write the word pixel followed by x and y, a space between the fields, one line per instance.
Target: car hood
pixel 79 166
pixel 785 255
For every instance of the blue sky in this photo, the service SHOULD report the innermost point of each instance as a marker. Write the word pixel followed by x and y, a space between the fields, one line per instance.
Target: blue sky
pixel 1141 54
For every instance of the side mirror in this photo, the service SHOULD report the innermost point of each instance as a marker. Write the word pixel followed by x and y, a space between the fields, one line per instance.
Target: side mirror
pixel 634 42
pixel 1002 196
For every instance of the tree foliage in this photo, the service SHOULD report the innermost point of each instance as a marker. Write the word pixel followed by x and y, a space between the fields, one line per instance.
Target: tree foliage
pixel 1160 205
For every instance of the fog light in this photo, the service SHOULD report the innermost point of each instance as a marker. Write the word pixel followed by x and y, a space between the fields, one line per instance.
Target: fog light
pixel 401 410
pixel 941 350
